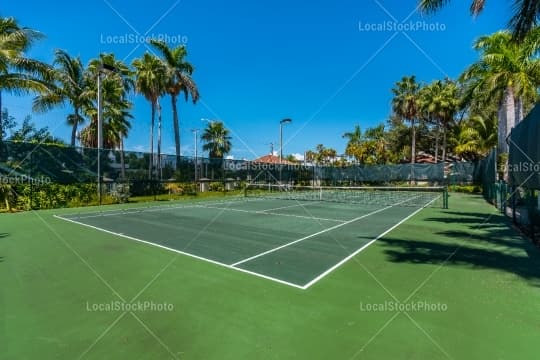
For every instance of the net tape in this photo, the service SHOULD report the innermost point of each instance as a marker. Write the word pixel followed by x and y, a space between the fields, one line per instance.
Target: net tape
pixel 378 196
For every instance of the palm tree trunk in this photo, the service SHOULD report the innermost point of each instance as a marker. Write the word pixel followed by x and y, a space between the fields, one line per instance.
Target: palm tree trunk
pixel 437 136
pixel 444 145
pixel 510 111
pixel 519 109
pixel 122 158
pixel 74 128
pixel 151 160
pixel 507 118
pixel 501 122
pixel 159 141
pixel 176 125
pixel 413 145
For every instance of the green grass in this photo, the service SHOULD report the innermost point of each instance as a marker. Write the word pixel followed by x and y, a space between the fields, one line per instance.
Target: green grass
pixel 52 270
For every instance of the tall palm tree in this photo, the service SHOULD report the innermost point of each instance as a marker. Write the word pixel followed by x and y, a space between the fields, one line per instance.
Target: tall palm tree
pixel 508 73
pixel 178 81
pixel 115 128
pixel 522 21
pixel 440 101
pixel 69 87
pixel 150 81
pixel 18 73
pixel 428 98
pixel 217 140
pixel 448 107
pixel 405 105
pixel 116 86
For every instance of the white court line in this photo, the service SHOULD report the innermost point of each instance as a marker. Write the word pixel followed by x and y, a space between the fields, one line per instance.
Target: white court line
pixel 291 206
pixel 265 212
pixel 182 252
pixel 151 209
pixel 304 287
pixel 364 247
pixel 312 235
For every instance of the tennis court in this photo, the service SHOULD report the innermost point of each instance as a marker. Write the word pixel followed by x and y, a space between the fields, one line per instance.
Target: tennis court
pixel 292 236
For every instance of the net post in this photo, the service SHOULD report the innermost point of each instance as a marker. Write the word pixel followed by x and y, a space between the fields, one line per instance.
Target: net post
pixel 445 197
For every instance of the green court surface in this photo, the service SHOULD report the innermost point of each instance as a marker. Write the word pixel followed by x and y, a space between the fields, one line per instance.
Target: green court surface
pixel 268 279
pixel 292 242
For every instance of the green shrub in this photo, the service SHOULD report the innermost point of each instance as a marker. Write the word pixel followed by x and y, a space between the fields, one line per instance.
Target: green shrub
pixel 468 189
pixel 216 186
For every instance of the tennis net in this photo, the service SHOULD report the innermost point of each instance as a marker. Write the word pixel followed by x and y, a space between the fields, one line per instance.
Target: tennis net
pixel 415 196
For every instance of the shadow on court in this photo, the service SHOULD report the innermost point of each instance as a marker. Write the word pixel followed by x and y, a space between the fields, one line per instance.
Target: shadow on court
pixel 472 218
pixel 483 245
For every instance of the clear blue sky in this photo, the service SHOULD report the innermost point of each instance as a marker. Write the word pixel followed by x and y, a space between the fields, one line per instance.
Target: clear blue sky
pixel 325 64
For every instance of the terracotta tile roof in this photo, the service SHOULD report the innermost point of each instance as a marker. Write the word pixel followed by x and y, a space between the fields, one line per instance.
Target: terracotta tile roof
pixel 272 159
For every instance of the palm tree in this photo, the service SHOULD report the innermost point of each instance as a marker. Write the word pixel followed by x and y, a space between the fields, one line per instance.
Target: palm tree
pixel 522 21
pixel 216 140
pixel 439 101
pixel 508 73
pixel 354 139
pixel 329 155
pixel 115 127
pixel 178 81
pixel 477 136
pixel 405 105
pixel 311 156
pixel 375 139
pixel 19 74
pixel 150 81
pixel 116 118
pixel 69 87
pixel 448 107
pixel 116 86
pixel 428 97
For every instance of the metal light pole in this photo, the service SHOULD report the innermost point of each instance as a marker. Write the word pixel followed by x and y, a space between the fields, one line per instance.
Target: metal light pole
pixel 99 134
pixel 101 69
pixel 195 134
pixel 281 123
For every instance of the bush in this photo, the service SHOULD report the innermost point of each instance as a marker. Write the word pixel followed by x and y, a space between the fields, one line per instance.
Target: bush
pixel 216 186
pixel 189 189
pixel 120 193
pixel 467 189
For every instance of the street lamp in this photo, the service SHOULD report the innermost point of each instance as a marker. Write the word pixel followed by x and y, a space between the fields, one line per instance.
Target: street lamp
pixel 195 133
pixel 103 68
pixel 281 123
